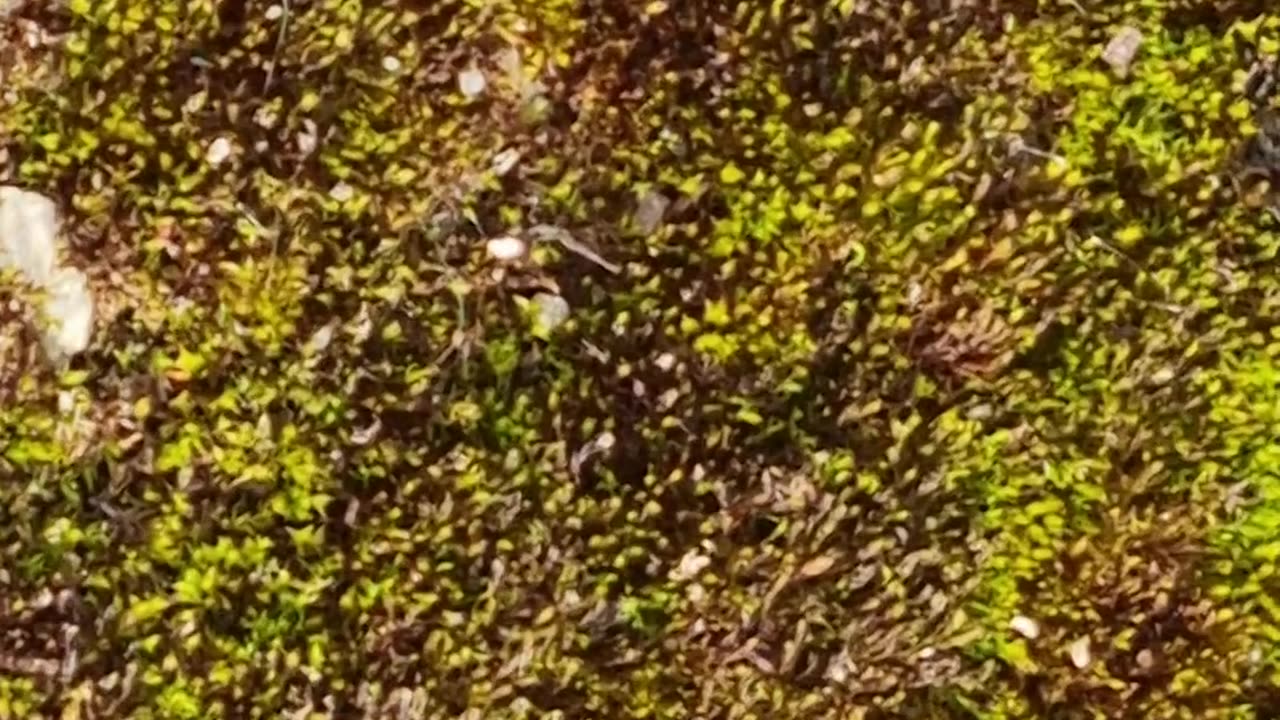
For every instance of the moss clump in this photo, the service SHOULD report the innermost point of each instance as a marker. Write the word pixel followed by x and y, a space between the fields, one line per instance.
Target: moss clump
pixel 943 387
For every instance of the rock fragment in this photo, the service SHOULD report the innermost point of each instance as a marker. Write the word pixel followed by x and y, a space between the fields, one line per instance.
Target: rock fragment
pixel 29 246
pixel 472 83
pixel 1025 626
pixel 651 210
pixel 1122 49
pixel 1081 654
pixel 553 310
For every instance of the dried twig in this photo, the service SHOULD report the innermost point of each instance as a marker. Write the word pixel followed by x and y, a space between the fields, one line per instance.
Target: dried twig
pixel 572 244
pixel 280 38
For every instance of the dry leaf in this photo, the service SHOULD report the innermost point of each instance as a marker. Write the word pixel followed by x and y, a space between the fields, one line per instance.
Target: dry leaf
pixel 817 566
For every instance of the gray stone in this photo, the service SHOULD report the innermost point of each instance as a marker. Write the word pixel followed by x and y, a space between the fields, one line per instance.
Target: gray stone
pixel 29 246
pixel 651 211
pixel 553 310
pixel 1122 49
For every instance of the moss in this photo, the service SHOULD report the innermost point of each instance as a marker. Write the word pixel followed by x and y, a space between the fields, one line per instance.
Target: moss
pixel 946 323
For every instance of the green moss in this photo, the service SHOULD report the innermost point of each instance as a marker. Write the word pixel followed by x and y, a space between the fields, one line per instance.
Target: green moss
pixel 947 323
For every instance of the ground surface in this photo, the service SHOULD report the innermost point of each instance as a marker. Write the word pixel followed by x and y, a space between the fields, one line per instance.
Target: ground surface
pixel 921 361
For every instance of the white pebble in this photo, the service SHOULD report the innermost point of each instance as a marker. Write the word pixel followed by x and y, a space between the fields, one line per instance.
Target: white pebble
pixel 553 310
pixel 1025 626
pixel 307 139
pixel 504 161
pixel 1080 653
pixel 665 362
pixel 320 339
pixel 219 151
pixel 274 12
pixel 472 83
pixel 1122 49
pixel 342 192
pixel 391 64
pixel 505 248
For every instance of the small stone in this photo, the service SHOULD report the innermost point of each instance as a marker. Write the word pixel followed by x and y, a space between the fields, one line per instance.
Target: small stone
pixel 69 305
pixel 29 245
pixel 669 398
pixel 504 161
pixel 275 12
pixel 1080 653
pixel 1146 659
pixel 651 211
pixel 505 248
pixel 1025 626
pixel 1122 49
pixel 665 362
pixel 219 150
pixel 391 64
pixel 553 310
pixel 982 411
pixel 307 139
pixel 342 192
pixel 320 339
pixel 472 83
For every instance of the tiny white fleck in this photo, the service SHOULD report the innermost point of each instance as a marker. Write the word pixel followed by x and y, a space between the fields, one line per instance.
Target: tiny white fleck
pixel 342 192
pixel 669 398
pixel 391 64
pixel 321 339
pixel 505 248
pixel 665 362
pixel 553 310
pixel 606 440
pixel 307 138
pixel 1080 653
pixel 1025 626
pixel 504 161
pixel 1121 50
pixel 219 151
pixel 274 12
pixel 472 83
